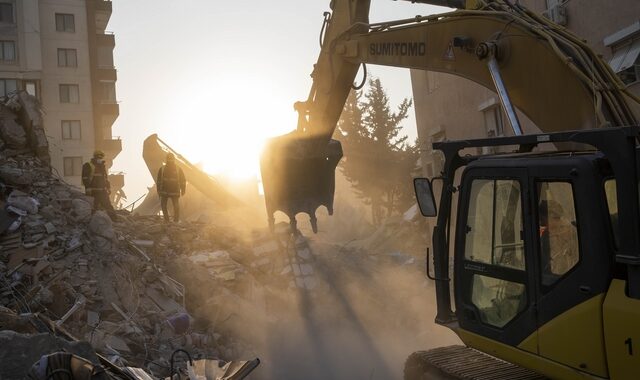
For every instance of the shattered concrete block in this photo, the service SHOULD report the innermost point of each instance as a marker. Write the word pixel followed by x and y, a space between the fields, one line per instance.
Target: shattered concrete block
pixel 270 247
pixel 18 352
pixel 73 244
pixel 15 176
pixel 81 209
pixel 304 253
pixel 101 225
pixel 49 212
pixel 49 227
pixel 17 211
pixel 310 283
pixel 13 134
pixel 117 343
pixel 306 269
pixel 23 201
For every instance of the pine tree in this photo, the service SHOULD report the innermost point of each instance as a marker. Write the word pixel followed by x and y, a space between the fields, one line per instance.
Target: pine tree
pixel 378 161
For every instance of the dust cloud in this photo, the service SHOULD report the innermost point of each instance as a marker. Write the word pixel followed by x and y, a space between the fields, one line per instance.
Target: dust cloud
pixel 359 312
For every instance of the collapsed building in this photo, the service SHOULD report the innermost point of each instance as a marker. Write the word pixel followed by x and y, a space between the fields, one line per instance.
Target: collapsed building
pixel 73 281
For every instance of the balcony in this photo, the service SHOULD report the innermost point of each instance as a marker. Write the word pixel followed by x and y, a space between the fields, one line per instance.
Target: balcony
pixel 109 108
pixel 111 147
pixel 103 11
pixel 116 181
pixel 108 74
pixel 108 40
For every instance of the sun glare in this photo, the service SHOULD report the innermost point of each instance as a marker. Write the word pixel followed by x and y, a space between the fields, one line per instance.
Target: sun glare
pixel 226 129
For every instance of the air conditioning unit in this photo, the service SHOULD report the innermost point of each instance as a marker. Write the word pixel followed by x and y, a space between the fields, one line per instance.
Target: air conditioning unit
pixel 557 14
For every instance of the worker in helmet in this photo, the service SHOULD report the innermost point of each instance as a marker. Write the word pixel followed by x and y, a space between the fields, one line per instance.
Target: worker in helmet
pixel 96 183
pixel 170 183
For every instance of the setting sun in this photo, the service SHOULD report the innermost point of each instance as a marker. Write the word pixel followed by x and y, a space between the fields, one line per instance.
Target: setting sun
pixel 225 128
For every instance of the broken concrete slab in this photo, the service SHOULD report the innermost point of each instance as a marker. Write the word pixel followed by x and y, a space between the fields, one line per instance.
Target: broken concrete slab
pixel 81 209
pixel 166 304
pixel 12 133
pixel 15 176
pixel 207 369
pixel 101 225
pixel 18 352
pixel 6 220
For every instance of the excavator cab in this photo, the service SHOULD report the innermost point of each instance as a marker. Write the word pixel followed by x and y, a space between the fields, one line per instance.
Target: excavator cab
pixel 541 277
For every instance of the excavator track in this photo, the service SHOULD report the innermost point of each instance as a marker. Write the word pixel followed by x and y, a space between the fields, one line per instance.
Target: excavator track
pixel 462 363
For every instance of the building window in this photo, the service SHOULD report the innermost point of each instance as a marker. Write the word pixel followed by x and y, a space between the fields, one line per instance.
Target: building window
pixel 8 86
pixel 493 121
pixel 65 22
pixel 71 130
pixel 72 166
pixel 67 58
pixel 108 92
pixel 6 13
pixel 626 61
pixel 7 51
pixel 69 93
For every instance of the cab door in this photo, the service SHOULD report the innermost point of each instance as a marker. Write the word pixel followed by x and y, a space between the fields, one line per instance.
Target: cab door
pixel 495 288
pixel 573 262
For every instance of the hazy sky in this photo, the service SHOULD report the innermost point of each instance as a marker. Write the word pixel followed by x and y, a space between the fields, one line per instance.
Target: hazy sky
pixel 214 78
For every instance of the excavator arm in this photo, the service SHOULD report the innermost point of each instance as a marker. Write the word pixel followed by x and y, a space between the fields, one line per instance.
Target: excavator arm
pixel 534 65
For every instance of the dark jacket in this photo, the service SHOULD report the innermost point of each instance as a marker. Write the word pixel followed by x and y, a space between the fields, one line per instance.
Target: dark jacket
pixel 171 181
pixel 95 177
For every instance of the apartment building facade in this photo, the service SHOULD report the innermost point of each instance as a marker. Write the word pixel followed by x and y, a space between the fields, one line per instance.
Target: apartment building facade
pixel 450 107
pixel 59 51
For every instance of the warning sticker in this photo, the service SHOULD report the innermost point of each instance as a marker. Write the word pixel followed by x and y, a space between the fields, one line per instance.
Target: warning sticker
pixel 449 55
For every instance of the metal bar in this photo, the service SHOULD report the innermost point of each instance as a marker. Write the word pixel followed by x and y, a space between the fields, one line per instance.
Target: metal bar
pixel 504 96
pixel 596 137
pixel 460 4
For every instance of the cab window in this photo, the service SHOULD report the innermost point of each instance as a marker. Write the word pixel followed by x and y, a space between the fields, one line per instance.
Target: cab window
pixel 558 232
pixel 494 224
pixel 612 204
pixel 494 236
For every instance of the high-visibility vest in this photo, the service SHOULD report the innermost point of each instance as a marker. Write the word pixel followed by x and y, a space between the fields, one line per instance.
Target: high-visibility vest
pixel 89 178
pixel 171 181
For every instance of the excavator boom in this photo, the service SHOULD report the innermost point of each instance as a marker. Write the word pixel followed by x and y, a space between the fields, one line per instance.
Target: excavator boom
pixel 546 70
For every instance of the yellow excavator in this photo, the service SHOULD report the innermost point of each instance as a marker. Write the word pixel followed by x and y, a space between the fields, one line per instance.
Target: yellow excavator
pixel 544 247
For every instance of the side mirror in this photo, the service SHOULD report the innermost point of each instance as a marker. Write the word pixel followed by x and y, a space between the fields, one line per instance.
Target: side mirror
pixel 424 196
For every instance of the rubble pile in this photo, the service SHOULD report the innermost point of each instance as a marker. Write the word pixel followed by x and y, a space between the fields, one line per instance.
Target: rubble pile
pixel 70 274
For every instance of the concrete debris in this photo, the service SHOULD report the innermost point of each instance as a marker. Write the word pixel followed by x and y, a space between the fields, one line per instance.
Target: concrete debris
pixel 18 352
pixel 81 210
pixel 12 133
pixel 216 370
pixel 105 282
pixel 22 201
pixel 15 176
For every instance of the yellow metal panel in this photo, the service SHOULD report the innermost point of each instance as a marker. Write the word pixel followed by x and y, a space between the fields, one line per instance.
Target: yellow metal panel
pixel 530 344
pixel 622 332
pixel 523 358
pixel 575 338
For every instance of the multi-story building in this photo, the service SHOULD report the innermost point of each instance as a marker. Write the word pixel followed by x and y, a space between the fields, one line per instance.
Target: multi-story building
pixel 58 51
pixel 450 107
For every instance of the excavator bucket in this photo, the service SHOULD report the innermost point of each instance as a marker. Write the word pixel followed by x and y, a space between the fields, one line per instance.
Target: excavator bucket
pixel 298 175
